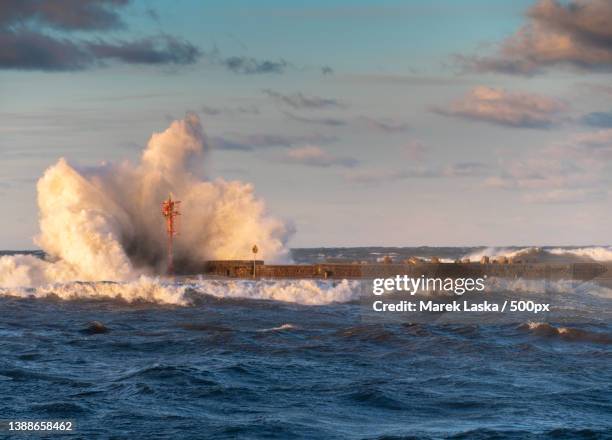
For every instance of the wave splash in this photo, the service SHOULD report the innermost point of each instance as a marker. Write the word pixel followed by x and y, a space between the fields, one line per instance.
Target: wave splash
pixel 592 253
pixel 103 223
pixel 596 253
pixel 155 290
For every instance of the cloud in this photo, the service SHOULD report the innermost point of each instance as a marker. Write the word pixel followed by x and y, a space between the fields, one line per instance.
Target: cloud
pixel 382 125
pixel 572 172
pixel 332 122
pixel 598 119
pixel 420 171
pixel 497 106
pixel 222 143
pixel 38 35
pixel 300 101
pixel 576 33
pixel 216 111
pixel 379 175
pixel 251 66
pixel 248 65
pixel 152 50
pixel 63 14
pixel 26 46
pixel 315 156
pixel 542 171
pixel 26 50
pixel 254 141
pixel 359 122
pixel 596 142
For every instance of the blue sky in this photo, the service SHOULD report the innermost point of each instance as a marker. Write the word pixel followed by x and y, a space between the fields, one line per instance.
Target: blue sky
pixel 362 123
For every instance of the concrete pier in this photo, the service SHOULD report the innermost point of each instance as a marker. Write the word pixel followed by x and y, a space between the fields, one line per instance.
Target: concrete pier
pixel 248 269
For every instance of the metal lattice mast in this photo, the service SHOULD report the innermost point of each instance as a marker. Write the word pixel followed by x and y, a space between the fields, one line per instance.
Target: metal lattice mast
pixel 170 211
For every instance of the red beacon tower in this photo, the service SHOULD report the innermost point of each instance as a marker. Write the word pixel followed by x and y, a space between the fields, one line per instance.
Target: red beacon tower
pixel 170 210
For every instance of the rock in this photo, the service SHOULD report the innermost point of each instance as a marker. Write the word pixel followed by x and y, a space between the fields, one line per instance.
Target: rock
pixel 501 260
pixel 95 328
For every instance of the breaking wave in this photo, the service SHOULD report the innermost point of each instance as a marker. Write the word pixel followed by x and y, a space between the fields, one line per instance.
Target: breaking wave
pixel 159 291
pixel 103 223
pixel 596 253
pixel 496 252
pixel 279 328
pixel 144 289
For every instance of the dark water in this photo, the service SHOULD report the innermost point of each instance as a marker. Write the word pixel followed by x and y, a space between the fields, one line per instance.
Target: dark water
pixel 243 368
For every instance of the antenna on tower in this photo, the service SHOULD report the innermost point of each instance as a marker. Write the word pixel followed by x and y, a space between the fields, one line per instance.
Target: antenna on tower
pixel 169 209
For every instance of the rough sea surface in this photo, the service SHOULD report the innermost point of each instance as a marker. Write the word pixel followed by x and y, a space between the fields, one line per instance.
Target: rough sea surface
pixel 264 364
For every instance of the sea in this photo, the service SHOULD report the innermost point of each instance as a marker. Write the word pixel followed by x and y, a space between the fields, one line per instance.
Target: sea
pixel 198 358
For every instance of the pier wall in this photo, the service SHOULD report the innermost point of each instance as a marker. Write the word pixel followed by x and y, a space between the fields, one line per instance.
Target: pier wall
pixel 244 269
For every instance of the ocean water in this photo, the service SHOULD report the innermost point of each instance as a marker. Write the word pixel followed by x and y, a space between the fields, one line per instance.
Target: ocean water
pixel 296 360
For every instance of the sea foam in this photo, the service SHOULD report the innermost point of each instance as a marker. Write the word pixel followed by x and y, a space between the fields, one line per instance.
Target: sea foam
pixel 164 291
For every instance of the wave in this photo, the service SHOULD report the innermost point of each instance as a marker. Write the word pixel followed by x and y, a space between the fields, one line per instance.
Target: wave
pixel 496 252
pixel 305 292
pixel 59 409
pixel 575 294
pixel 513 434
pixel 566 333
pixel 592 253
pixel 596 253
pixel 104 222
pixel 144 289
pixel 537 286
pixel 160 291
pixel 279 328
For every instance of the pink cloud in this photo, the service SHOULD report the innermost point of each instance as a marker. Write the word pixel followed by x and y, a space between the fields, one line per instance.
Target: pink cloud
pixel 505 108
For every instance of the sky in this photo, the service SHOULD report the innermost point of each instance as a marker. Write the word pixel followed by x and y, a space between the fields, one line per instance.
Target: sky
pixel 394 123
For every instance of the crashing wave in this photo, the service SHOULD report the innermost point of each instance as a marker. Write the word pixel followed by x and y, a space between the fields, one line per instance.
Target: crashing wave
pixel 103 223
pixel 159 291
pixel 595 253
pixel 496 252
pixel 537 254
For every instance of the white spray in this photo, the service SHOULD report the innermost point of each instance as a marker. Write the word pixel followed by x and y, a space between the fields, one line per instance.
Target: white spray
pixel 104 223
